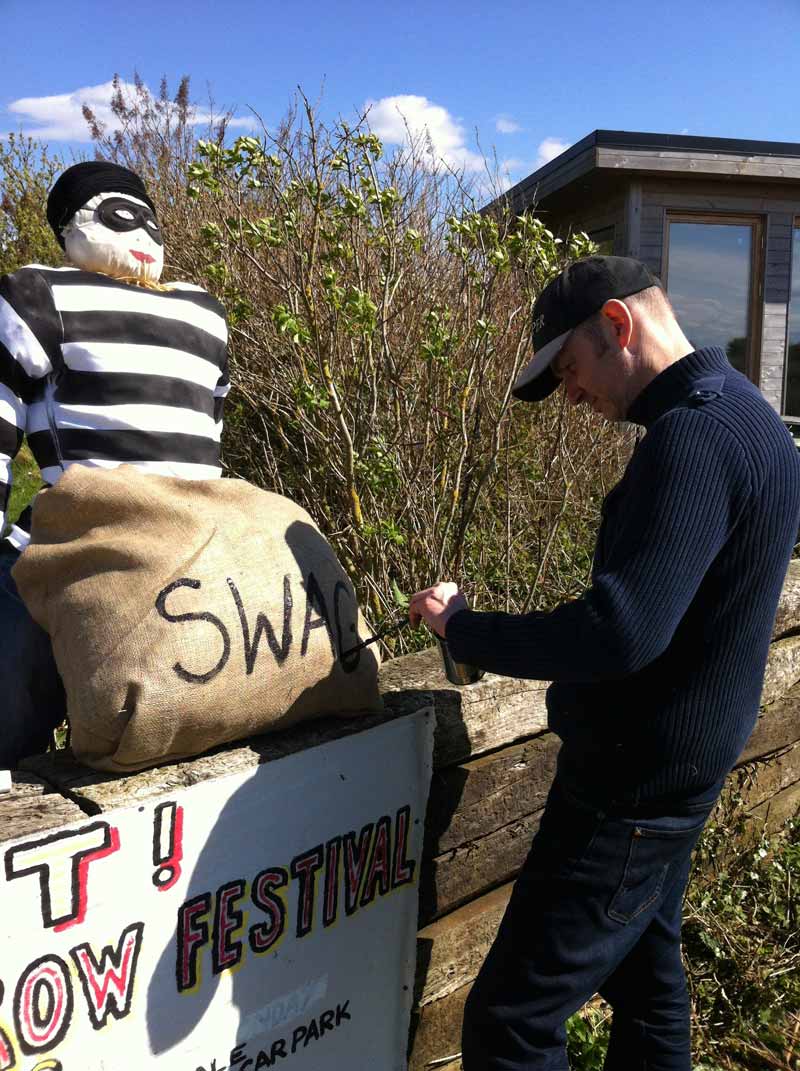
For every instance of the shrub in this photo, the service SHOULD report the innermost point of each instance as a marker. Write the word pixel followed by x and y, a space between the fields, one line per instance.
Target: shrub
pixel 27 172
pixel 378 320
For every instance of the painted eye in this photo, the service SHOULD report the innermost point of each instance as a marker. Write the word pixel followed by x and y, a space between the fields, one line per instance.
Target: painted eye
pixel 123 213
pixel 151 223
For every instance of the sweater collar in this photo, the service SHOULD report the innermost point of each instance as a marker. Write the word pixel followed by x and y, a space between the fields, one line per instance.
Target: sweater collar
pixel 677 382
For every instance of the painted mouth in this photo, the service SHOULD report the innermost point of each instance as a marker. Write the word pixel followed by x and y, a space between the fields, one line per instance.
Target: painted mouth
pixel 145 258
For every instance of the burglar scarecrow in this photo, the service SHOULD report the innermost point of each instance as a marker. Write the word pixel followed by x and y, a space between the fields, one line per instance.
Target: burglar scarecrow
pixel 100 365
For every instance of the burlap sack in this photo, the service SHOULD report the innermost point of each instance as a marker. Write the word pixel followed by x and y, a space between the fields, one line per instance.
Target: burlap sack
pixel 188 613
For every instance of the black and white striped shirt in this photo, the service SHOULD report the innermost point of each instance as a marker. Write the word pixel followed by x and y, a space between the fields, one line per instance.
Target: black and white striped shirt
pixel 97 372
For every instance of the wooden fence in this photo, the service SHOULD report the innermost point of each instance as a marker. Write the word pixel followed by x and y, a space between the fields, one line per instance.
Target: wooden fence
pixel 493 763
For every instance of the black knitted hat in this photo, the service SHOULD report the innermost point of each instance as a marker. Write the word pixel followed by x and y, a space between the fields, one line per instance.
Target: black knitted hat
pixel 81 182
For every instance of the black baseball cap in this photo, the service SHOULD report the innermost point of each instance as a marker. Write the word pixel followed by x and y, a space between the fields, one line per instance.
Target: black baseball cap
pixel 577 293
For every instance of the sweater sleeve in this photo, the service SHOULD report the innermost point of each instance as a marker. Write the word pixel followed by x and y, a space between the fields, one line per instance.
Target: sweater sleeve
pixel 28 327
pixel 683 492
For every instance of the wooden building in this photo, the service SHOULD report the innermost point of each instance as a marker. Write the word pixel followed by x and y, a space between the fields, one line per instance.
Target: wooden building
pixel 717 219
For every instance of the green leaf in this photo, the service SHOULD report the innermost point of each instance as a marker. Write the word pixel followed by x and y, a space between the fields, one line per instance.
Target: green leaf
pixel 400 599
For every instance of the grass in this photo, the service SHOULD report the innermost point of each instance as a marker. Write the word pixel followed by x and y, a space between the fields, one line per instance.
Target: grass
pixel 26 482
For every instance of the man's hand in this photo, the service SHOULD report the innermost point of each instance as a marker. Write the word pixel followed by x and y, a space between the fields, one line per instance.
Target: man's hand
pixel 435 606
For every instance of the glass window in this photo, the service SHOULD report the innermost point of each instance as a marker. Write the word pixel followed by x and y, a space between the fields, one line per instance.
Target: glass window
pixel 791 400
pixel 710 282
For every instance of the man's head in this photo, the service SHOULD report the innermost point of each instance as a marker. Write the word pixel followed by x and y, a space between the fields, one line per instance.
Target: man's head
pixel 105 221
pixel 605 328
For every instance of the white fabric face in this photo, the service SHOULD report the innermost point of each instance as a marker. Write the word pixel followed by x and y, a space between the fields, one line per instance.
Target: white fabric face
pixel 118 235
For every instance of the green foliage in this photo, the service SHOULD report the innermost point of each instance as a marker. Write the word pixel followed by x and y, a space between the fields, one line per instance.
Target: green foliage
pixel 377 320
pixel 587 1039
pixel 742 943
pixel 27 172
pixel 380 319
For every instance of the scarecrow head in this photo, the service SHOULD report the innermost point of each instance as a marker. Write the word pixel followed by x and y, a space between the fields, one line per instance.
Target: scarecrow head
pixel 105 222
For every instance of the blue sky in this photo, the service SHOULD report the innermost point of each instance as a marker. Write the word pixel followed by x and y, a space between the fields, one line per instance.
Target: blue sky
pixel 530 78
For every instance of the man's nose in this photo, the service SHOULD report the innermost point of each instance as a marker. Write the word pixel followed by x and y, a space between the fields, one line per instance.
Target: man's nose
pixel 574 392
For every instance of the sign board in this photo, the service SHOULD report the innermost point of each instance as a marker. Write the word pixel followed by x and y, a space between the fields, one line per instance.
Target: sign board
pixel 258 920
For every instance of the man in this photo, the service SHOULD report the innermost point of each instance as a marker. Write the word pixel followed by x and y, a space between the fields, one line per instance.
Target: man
pixel 100 365
pixel 657 673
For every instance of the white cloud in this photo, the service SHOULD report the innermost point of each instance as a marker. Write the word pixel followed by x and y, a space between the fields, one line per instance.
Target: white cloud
pixel 397 120
pixel 60 117
pixel 504 124
pixel 549 149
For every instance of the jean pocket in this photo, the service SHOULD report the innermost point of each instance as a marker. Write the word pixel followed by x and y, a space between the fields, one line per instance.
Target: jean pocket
pixel 655 850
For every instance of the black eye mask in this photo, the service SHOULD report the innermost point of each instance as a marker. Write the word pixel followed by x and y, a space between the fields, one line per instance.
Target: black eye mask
pixel 119 214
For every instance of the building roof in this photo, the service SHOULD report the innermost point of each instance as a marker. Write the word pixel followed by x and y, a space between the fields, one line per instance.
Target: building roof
pixel 661 154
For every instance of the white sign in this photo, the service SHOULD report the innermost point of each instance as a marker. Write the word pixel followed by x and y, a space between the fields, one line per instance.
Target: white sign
pixel 254 921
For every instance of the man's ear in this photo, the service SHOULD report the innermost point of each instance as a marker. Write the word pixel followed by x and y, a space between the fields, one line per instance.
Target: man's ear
pixel 619 316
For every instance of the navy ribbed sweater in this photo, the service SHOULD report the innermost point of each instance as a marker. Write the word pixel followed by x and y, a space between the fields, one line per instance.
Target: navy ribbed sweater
pixel 658 667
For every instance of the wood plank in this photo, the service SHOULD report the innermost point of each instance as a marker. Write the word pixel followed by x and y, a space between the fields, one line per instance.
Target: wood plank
pixel 767 778
pixel 773 813
pixel 472 800
pixel 99 792
pixel 783 669
pixel 450 952
pixel 787 615
pixel 705 164
pixel 778 726
pixel 633 219
pixel 769 198
pixel 436 1032
pixel 688 154
pixel 33 807
pixel 453 878
pixel 469 721
pixel 720 197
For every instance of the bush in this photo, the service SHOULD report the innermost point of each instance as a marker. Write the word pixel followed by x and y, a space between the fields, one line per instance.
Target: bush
pixel 378 320
pixel 742 944
pixel 27 172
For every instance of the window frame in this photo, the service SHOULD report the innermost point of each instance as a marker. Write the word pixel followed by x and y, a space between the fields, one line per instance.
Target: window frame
pixel 757 223
pixel 789 417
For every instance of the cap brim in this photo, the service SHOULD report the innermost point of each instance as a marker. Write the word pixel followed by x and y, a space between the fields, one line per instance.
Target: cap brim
pixel 536 381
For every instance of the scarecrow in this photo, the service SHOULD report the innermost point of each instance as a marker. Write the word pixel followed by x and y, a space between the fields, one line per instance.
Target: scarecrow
pixel 100 365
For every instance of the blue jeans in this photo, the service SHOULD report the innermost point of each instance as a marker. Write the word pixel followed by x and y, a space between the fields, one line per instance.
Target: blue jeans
pixel 596 909
pixel 32 700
